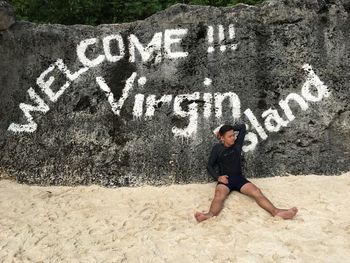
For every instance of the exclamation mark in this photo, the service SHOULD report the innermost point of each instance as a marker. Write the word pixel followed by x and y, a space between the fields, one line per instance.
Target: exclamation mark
pixel 210 35
pixel 221 37
pixel 232 35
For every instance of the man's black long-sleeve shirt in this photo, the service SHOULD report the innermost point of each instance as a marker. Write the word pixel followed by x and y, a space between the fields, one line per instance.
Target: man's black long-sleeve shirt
pixel 227 160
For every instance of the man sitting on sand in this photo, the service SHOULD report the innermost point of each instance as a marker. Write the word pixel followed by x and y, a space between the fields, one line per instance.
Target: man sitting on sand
pixel 227 156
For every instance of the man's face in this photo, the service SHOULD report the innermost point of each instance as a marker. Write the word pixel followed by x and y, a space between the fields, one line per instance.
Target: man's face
pixel 229 138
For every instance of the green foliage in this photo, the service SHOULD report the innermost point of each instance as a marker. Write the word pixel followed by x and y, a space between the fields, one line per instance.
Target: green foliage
pixel 94 12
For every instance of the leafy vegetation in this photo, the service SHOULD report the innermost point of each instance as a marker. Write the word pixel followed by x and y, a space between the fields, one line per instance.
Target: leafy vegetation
pixel 94 12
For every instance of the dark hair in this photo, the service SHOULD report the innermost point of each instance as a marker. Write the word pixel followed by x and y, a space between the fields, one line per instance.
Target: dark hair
pixel 225 128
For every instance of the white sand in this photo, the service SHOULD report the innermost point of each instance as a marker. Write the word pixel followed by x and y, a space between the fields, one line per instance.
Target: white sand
pixel 156 224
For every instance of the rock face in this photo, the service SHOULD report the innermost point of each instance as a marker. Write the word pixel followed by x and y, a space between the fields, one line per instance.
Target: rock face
pixel 137 103
pixel 7 15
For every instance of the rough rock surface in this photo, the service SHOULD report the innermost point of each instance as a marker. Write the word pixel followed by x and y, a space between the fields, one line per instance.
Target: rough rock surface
pixel 7 15
pixel 126 119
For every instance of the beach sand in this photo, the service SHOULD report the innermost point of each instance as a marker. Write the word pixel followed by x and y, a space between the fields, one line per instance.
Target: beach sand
pixel 156 224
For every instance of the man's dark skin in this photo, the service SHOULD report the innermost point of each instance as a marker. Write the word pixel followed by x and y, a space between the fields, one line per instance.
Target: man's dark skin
pixel 249 189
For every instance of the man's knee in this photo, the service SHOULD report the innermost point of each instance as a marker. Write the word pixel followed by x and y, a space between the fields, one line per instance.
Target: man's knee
pixel 220 194
pixel 257 192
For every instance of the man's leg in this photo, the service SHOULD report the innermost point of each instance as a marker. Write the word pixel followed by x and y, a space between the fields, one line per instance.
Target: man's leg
pixel 253 191
pixel 221 192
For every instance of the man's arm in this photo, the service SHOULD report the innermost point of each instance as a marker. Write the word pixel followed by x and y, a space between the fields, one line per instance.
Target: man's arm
pixel 242 131
pixel 212 161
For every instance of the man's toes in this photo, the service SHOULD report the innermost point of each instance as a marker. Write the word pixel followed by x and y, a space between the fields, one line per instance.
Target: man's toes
pixel 286 214
pixel 295 209
pixel 198 215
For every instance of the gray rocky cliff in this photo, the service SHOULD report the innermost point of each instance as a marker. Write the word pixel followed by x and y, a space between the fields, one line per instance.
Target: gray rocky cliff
pixel 136 103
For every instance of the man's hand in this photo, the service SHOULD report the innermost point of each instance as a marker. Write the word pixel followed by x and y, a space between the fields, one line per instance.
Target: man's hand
pixel 216 131
pixel 223 179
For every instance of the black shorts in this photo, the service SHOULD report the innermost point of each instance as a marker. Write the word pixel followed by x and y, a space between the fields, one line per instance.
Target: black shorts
pixel 235 182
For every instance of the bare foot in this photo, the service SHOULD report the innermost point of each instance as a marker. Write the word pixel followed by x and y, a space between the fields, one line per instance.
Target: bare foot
pixel 202 216
pixel 287 213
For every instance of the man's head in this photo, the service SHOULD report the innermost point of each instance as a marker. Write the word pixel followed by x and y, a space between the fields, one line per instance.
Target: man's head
pixel 227 135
